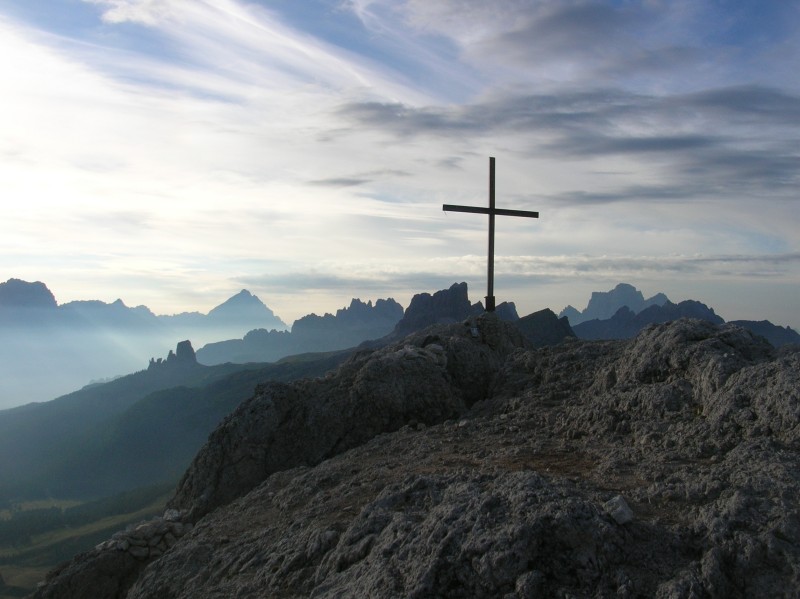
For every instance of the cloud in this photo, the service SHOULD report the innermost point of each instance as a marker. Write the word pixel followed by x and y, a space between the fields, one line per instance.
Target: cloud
pixel 361 179
pixel 339 182
pixel 739 141
pixel 212 136
pixel 756 103
pixel 147 12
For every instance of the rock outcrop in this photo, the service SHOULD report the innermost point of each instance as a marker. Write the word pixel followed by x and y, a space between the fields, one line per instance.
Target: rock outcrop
pixel 427 378
pixel 663 466
pixel 544 328
pixel 182 358
pixel 443 307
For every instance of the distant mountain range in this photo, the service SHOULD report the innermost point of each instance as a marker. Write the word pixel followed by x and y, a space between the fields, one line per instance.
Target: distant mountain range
pixel 622 312
pixel 24 304
pixel 604 304
pixel 360 322
pixel 81 341
pixel 145 427
pixel 139 429
pixel 347 328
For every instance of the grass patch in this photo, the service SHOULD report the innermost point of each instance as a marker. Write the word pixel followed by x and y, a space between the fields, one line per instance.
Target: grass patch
pixel 24 566
pixel 39 504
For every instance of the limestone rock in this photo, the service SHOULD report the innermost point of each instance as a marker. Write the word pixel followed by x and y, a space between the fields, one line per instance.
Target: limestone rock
pixel 184 353
pixel 427 378
pixel 619 509
pixel 545 328
pixel 446 306
pixel 694 427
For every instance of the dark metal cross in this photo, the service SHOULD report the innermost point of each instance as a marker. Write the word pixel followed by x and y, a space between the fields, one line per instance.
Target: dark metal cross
pixel 491 211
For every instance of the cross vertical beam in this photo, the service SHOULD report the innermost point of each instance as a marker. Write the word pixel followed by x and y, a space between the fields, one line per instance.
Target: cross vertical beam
pixel 492 211
pixel 490 263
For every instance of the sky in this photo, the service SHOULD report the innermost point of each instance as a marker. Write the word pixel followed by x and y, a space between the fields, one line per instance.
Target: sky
pixel 172 152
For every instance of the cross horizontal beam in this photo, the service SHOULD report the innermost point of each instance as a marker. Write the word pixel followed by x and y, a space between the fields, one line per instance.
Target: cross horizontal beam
pixel 480 210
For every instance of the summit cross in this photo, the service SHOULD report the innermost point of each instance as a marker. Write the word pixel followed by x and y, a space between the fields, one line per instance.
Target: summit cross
pixel 492 212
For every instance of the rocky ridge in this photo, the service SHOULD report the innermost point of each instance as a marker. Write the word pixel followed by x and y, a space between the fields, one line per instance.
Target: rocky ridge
pixel 626 323
pixel 474 466
pixel 312 333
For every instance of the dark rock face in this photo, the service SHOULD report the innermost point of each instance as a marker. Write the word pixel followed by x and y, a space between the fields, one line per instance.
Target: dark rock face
pixel 184 353
pixel 445 306
pixel 182 358
pixel 545 328
pixel 427 378
pixel 507 311
pixel 663 466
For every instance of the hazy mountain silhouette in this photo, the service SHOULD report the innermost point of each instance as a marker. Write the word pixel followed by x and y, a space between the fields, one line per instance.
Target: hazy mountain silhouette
pixel 145 427
pixel 604 304
pixel 347 328
pixel 625 323
pixel 139 429
pixel 80 341
pixel 242 310
pixel 776 335
pixel 544 328
pixel 628 320
pixel 16 293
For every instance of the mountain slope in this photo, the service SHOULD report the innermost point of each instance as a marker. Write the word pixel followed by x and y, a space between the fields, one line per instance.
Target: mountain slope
pixel 33 436
pixel 778 336
pixel 137 430
pixel 663 466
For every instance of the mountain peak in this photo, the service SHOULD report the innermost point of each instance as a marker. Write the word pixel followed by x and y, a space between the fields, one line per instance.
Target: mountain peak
pixel 244 306
pixel 444 306
pixel 17 293
pixel 604 304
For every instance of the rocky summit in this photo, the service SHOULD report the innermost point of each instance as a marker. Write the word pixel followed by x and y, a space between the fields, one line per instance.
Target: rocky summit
pixel 462 462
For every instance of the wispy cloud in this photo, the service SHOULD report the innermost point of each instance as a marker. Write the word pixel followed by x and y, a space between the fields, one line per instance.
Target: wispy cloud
pixel 217 142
